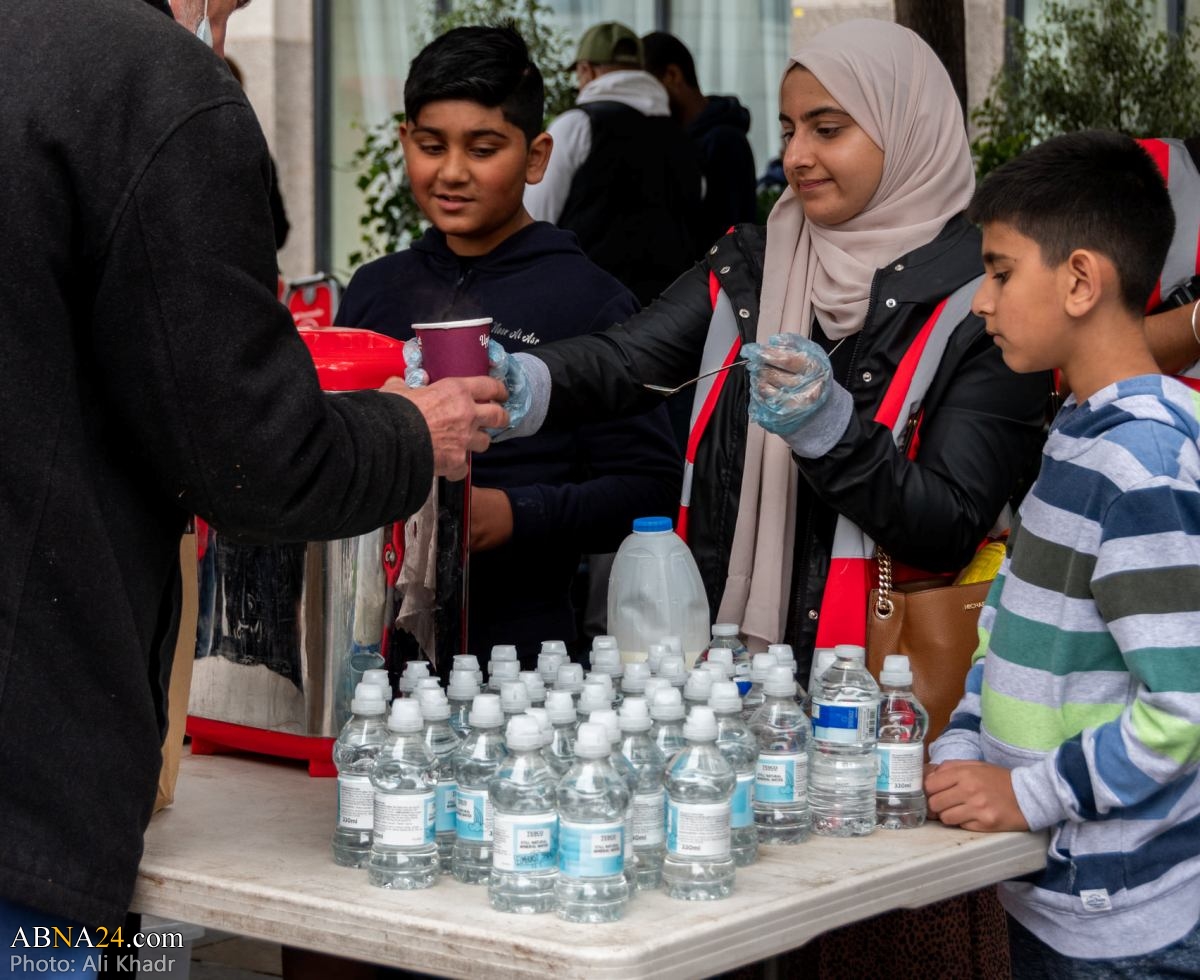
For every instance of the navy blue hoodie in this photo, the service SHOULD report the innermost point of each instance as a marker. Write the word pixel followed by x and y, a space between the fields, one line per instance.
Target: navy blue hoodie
pixel 572 492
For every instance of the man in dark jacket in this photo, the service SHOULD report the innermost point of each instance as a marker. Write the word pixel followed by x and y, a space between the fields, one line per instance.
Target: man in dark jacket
pixel 718 125
pixel 149 374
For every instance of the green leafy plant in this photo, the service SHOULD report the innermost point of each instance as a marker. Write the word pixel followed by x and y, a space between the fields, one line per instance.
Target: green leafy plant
pixel 391 218
pixel 1101 65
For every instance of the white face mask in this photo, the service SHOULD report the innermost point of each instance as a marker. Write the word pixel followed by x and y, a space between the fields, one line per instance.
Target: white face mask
pixel 204 29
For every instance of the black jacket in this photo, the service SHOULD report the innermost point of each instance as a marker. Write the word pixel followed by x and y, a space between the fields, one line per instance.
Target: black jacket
pixel 730 180
pixel 572 492
pixel 149 373
pixel 979 440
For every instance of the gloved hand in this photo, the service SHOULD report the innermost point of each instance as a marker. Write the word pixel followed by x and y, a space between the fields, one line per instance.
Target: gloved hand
pixel 789 381
pixel 500 366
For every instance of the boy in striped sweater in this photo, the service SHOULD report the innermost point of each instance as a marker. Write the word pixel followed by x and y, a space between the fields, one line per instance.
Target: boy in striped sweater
pixel 1082 708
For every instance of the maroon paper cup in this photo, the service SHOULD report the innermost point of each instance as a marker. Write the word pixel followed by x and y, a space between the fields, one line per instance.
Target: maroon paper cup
pixel 454 348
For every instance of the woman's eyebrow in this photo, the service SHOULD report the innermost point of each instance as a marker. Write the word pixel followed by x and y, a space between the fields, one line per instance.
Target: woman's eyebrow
pixel 823 111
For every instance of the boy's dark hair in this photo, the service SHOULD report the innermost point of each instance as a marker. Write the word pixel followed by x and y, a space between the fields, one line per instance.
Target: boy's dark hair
pixel 1093 190
pixel 488 65
pixel 660 49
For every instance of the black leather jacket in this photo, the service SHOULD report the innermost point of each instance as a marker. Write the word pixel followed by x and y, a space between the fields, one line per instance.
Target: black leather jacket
pixel 979 439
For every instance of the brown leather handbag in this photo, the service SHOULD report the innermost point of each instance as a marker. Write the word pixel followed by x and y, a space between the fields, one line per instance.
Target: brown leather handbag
pixel 935 626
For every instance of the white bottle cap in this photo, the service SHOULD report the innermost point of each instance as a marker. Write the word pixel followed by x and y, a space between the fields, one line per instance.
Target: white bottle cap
pixel 523 733
pixel 635 679
pixel 635 715
pixel 608 718
pixel 569 678
pixel 606 661
pixel 674 645
pixel 823 660
pixel 673 669
pixel 548 663
pixel 594 697
pixel 721 655
pixel 721 671
pixel 851 652
pixel 780 682
pixel 699 685
pixel 379 677
pixel 463 685
pixel 759 666
pixel 416 668
pixel 554 646
pixel 486 711
pixel 726 629
pixel 654 684
pixel 465 661
pixel 514 698
pixel 542 717
pixel 591 742
pixel 434 706
pixel 560 706
pixel 654 654
pixel 503 653
pixel 725 697
pixel 667 705
pixel 368 700
pixel 782 652
pixel 604 680
pixel 534 685
pixel 405 716
pixel 896 671
pixel 427 684
pixel 604 642
pixel 503 670
pixel 701 725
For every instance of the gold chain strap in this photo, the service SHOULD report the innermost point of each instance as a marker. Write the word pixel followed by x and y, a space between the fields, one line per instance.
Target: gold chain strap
pixel 884 607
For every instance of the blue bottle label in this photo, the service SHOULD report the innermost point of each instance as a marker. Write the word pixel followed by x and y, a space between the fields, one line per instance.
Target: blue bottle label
pixel 524 841
pixel 591 850
pixel 447 807
pixel 781 778
pixel 742 814
pixel 698 830
pixel 474 812
pixel 404 819
pixel 835 721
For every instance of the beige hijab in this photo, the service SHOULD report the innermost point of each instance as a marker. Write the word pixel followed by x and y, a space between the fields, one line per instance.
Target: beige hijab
pixel 892 84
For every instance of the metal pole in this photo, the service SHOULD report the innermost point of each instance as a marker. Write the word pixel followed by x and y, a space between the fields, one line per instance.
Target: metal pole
pixel 322 135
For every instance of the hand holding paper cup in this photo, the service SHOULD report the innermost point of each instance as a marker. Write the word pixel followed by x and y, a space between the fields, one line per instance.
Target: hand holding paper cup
pixel 454 348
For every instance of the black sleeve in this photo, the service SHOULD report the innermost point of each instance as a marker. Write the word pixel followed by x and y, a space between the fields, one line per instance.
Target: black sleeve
pixel 215 391
pixel 977 442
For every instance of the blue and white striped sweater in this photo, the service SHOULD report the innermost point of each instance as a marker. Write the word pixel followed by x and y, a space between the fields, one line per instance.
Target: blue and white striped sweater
pixel 1086 682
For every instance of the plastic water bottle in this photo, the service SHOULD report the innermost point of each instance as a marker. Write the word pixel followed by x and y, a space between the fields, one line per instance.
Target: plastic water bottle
pixel 560 753
pixel 500 671
pixel 354 754
pixel 823 658
pixel 740 748
pixel 475 763
pixel 649 799
pixel 667 713
pixel 607 663
pixel 442 742
pixel 404 850
pixel 548 662
pixel 612 728
pixel 673 669
pixel 595 696
pixel 727 636
pixel 759 665
pixel 698 687
pixel 524 824
pixel 592 800
pixel 569 677
pixel 655 589
pixel 841 781
pixel 379 677
pixel 781 773
pixel 461 693
pixel 903 722
pixel 514 699
pixel 468 664
pixel 534 687
pixel 633 683
pixel 699 782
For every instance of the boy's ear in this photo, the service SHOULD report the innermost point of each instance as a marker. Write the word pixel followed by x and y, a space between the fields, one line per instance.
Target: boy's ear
pixel 538 157
pixel 1087 276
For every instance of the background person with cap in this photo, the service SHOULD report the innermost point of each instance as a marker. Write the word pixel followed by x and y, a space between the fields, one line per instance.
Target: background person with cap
pixel 622 175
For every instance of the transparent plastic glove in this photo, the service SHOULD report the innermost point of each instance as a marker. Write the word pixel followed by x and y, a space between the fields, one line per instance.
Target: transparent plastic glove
pixel 789 381
pixel 415 375
pixel 509 370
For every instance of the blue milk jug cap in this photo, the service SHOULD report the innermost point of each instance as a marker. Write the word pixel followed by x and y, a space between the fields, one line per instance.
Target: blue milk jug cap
pixel 646 525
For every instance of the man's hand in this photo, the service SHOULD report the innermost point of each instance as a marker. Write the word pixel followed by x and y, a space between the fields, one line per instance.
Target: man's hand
pixel 457 411
pixel 974 796
pixel 491 519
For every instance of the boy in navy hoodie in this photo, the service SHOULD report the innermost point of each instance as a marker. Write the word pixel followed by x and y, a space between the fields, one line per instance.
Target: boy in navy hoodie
pixel 472 141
